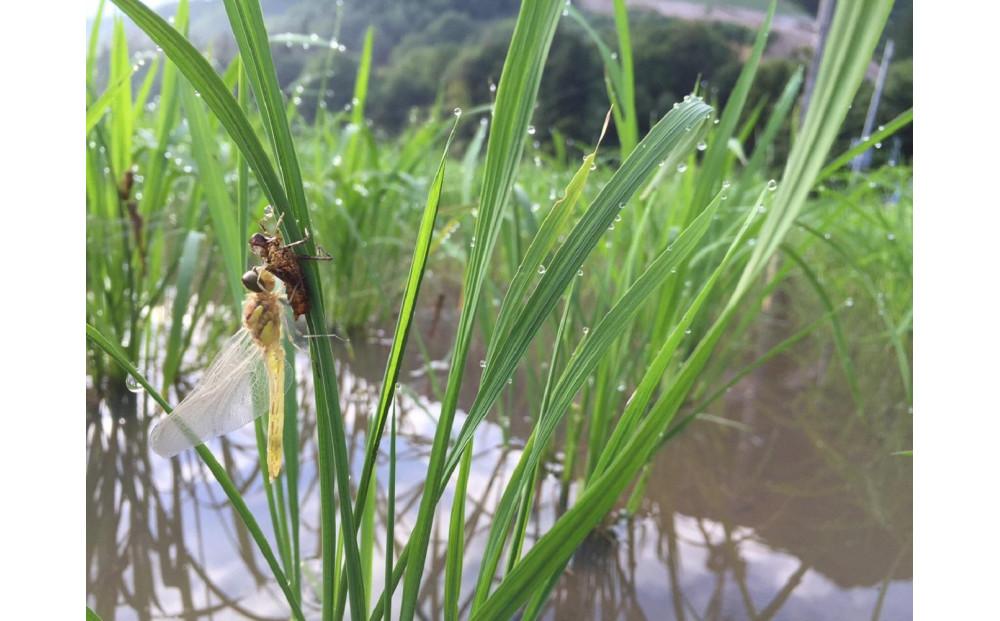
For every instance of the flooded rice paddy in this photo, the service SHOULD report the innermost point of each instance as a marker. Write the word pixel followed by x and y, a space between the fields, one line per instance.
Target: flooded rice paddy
pixel 782 504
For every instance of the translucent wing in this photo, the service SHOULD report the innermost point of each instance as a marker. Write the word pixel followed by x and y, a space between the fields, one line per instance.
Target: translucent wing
pixel 232 393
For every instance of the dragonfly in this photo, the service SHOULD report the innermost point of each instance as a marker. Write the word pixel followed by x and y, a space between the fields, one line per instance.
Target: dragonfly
pixel 250 368
pixel 248 371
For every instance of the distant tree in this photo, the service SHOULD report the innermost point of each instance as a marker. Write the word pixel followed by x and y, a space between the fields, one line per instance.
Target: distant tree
pixel 669 57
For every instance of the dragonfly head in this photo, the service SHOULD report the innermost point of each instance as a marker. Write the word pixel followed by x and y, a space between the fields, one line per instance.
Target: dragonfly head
pixel 258 280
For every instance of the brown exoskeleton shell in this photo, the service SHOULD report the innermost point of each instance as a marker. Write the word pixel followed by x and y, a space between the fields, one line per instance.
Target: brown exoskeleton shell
pixel 281 261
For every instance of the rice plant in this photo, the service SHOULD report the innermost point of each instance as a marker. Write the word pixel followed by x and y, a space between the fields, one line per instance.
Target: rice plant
pixel 612 295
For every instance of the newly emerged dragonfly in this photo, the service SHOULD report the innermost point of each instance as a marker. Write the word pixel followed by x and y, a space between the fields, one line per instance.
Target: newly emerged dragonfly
pixel 248 373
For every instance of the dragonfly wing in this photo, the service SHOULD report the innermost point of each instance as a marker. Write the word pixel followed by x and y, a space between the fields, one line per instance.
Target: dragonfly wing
pixel 231 394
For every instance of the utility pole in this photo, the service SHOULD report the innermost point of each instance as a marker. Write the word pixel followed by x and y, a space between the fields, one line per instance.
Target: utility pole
pixel 861 161
pixel 824 14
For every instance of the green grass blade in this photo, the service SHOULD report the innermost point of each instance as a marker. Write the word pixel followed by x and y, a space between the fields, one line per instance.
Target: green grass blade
pixel 224 215
pixel 352 157
pixel 628 133
pixel 187 266
pixel 893 126
pixel 456 539
pixel 711 171
pixel 96 110
pixel 122 120
pixel 773 126
pixel 390 513
pixel 145 88
pixel 553 225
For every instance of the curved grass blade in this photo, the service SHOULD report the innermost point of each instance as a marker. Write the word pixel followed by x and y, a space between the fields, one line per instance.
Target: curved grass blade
pixel 774 124
pixel 96 110
pixel 890 128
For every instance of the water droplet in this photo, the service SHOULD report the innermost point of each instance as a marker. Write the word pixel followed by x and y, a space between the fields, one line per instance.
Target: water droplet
pixel 531 130
pixel 772 185
pixel 891 237
pixel 715 122
pixel 618 218
pixel 621 387
pixel 827 236
pixel 726 184
pixel 761 208
pixel 510 380
pixel 482 364
pixel 878 145
pixel 612 227
pixel 457 112
pixel 621 205
pixel 579 272
pixel 541 269
pixel 661 164
pixel 702 146
pixel 586 330
pixel 493 87
pixel 688 331
pixel 752 241
pixel 132 384
pixel 682 167
pixel 849 302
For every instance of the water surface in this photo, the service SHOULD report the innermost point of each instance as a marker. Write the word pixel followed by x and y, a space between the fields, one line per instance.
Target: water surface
pixel 784 504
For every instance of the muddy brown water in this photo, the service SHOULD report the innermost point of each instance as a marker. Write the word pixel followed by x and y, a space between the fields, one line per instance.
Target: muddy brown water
pixel 792 508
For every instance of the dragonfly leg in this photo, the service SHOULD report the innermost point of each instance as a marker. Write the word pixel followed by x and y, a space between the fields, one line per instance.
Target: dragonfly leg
pixel 324 256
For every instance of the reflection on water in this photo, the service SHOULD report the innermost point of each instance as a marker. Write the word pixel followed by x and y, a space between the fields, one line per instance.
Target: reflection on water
pixel 795 509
